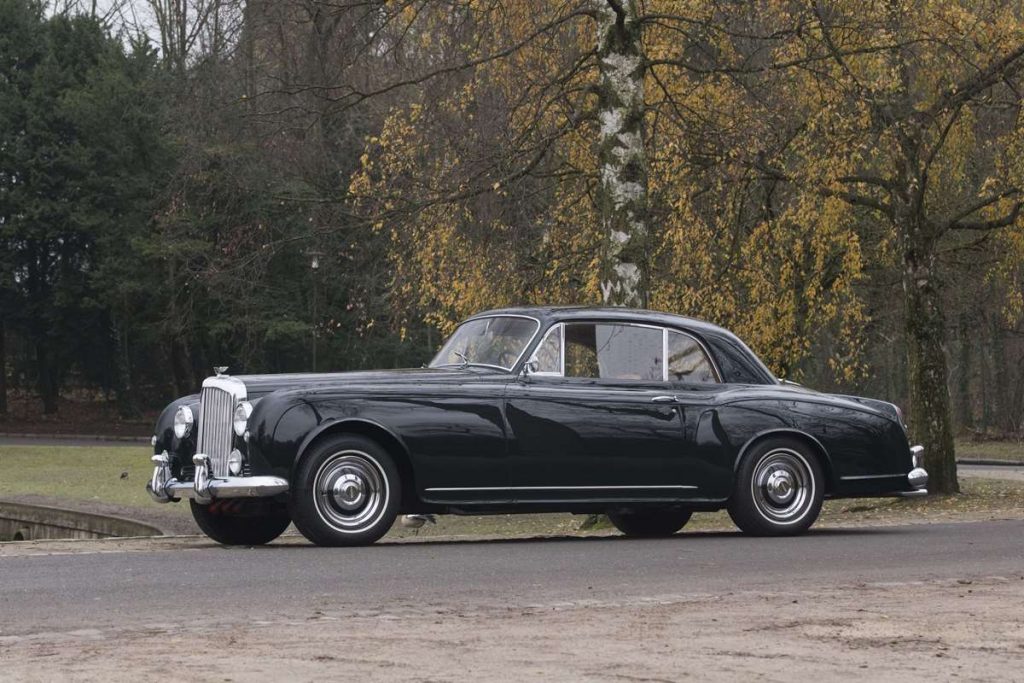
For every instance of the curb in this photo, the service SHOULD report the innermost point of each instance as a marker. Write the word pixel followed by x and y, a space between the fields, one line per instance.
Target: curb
pixel 990 461
pixel 76 437
pixel 27 522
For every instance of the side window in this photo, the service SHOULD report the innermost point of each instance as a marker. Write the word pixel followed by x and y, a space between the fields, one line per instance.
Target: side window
pixel 687 361
pixel 609 351
pixel 549 353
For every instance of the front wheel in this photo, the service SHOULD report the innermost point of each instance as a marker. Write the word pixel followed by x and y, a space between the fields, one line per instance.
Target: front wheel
pixel 649 523
pixel 241 522
pixel 346 491
pixel 779 489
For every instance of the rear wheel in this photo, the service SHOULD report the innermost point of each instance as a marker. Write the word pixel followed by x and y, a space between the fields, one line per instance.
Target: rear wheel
pixel 779 489
pixel 643 523
pixel 241 522
pixel 346 492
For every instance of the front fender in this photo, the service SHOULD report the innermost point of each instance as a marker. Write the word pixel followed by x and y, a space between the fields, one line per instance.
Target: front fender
pixel 181 450
pixel 285 427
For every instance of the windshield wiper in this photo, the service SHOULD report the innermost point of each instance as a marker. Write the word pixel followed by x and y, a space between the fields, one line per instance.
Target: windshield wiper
pixel 462 357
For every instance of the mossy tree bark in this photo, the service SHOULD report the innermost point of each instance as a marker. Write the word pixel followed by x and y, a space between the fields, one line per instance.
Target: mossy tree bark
pixel 926 355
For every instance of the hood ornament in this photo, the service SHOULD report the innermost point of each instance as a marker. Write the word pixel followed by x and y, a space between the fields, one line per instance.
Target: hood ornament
pixel 220 370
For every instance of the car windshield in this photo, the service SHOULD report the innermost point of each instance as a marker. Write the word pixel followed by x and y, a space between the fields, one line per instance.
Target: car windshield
pixel 496 342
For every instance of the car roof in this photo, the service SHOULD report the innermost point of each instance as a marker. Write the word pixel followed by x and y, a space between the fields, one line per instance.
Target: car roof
pixel 546 313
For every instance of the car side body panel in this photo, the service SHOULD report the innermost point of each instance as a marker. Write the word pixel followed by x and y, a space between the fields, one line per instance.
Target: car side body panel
pixel 481 440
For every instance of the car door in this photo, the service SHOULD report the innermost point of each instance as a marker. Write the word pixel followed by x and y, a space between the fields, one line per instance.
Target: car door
pixel 597 420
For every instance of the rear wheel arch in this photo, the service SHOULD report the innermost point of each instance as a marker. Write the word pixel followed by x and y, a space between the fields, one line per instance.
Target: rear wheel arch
pixel 380 435
pixel 815 447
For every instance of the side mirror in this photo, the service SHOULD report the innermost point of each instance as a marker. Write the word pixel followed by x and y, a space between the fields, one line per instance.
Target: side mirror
pixel 529 367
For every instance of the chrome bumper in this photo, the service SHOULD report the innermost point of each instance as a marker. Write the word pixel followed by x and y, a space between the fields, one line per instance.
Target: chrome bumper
pixel 164 488
pixel 918 477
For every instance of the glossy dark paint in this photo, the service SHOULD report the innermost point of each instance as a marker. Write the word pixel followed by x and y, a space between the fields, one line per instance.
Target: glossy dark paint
pixel 506 442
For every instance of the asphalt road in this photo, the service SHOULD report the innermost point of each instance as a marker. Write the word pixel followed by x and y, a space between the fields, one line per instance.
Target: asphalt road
pixel 200 581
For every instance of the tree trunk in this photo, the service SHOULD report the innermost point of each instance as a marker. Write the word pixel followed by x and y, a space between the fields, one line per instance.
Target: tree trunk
pixel 622 191
pixel 47 380
pixel 965 408
pixel 126 404
pixel 3 367
pixel 1001 407
pixel 929 372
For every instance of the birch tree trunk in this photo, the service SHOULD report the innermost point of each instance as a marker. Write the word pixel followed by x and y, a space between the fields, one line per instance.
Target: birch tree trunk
pixel 622 193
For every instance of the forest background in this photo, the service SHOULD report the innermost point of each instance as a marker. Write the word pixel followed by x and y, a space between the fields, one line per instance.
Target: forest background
pixel 294 185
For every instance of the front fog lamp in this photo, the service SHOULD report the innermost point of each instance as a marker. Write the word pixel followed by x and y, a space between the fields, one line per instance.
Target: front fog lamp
pixel 242 412
pixel 235 461
pixel 183 421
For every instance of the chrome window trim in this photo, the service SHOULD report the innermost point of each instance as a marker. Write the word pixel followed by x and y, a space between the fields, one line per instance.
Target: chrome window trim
pixel 665 331
pixel 703 347
pixel 526 347
pixel 560 327
pixel 664 354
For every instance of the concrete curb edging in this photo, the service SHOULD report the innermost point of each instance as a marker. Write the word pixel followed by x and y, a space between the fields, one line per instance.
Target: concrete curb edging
pixel 23 522
pixel 990 461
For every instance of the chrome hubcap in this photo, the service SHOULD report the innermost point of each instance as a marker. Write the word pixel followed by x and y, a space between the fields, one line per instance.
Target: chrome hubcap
pixel 351 491
pixel 780 487
pixel 783 486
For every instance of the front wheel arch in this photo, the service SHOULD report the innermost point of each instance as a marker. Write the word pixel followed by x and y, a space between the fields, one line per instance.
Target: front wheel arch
pixel 815 446
pixel 377 433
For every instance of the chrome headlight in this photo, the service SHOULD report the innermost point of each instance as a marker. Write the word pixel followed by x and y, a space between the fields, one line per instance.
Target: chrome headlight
pixel 183 421
pixel 242 412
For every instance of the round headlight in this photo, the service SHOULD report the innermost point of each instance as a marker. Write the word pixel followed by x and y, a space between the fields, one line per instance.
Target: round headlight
pixel 183 421
pixel 242 412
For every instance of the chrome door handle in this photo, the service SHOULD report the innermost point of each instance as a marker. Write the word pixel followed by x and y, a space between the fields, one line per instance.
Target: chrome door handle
pixel 665 399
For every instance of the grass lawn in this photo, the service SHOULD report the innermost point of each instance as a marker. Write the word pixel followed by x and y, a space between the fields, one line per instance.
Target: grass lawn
pixel 96 474
pixel 991 450
pixel 115 475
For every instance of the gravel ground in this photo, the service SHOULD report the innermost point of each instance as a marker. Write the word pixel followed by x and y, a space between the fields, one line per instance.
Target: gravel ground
pixel 964 629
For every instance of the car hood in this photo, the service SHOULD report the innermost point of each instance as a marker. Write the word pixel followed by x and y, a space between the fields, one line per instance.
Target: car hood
pixel 260 385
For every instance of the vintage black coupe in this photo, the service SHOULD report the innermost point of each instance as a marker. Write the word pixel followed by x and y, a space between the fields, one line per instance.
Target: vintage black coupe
pixel 645 416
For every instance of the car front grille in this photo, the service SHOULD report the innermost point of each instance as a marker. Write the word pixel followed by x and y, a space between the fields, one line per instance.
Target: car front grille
pixel 216 414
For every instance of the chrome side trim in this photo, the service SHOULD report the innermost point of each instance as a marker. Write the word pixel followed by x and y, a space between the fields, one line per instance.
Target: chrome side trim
pixel 561 488
pixel 872 476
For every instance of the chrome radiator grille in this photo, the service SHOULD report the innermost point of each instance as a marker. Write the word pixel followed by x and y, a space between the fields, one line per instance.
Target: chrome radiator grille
pixel 216 413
